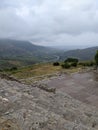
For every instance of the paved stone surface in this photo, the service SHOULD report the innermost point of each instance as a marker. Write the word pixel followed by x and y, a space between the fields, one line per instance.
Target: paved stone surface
pixel 81 86
pixel 24 107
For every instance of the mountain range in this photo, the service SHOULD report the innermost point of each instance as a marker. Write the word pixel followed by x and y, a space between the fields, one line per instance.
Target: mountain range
pixel 22 53
pixel 15 48
pixel 81 54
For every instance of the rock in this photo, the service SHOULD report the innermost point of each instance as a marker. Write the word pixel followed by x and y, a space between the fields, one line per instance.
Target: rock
pixel 45 87
pixel 9 125
pixel 37 108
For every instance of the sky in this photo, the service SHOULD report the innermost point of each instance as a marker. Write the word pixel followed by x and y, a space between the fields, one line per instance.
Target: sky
pixel 50 22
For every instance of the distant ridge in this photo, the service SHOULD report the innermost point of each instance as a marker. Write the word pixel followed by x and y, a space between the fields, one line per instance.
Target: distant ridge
pixel 23 52
pixel 15 48
pixel 82 54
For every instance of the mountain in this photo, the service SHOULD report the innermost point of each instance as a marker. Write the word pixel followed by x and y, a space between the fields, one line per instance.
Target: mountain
pixel 23 53
pixel 69 47
pixel 16 48
pixel 82 54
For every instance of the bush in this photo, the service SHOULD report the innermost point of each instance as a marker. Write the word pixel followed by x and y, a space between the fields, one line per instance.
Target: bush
pixel 13 68
pixel 71 60
pixel 87 63
pixel 96 58
pixel 66 66
pixel 91 63
pixel 56 64
pixel 74 64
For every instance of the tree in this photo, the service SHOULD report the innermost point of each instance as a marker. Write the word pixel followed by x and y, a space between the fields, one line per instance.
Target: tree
pixel 96 58
pixel 66 65
pixel 71 60
pixel 13 68
pixel 56 64
pixel 74 64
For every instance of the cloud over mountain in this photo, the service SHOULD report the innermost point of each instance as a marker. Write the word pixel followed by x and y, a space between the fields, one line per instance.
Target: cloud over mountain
pixel 45 22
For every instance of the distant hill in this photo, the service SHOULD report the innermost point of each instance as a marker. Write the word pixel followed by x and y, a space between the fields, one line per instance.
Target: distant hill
pixel 69 47
pixel 23 53
pixel 16 48
pixel 82 54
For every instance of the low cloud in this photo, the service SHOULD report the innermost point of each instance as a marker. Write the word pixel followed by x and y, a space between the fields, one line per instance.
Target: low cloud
pixel 48 22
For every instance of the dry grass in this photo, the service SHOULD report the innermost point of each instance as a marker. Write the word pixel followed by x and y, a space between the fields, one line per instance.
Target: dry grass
pixel 14 62
pixel 37 71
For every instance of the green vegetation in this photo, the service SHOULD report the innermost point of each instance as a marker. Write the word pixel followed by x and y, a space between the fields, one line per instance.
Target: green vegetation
pixel 70 62
pixel 25 60
pixel 96 58
pixel 66 65
pixel 86 63
pixel 74 64
pixel 15 53
pixel 24 53
pixel 40 71
pixel 35 70
pixel 14 68
pixel 56 63
pixel 82 54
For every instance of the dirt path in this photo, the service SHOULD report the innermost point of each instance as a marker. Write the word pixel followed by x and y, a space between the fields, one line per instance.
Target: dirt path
pixel 81 86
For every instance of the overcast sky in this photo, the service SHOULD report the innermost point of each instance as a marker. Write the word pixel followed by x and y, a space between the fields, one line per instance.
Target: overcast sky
pixel 50 22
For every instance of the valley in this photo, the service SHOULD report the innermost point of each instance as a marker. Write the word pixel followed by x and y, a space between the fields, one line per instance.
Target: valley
pixel 15 53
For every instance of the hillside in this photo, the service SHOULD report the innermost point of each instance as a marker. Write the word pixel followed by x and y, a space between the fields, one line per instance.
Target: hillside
pixel 20 53
pixel 82 54
pixel 15 48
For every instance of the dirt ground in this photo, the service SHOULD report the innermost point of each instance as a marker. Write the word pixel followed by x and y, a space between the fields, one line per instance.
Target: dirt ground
pixel 81 86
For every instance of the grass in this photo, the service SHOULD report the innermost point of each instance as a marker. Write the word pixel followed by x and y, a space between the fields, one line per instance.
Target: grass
pixel 36 71
pixel 41 71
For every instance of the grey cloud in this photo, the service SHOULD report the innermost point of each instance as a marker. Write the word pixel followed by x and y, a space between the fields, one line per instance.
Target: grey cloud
pixel 49 22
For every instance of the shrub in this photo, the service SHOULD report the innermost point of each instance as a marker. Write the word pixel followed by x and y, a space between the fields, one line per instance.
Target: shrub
pixel 71 60
pixel 56 64
pixel 66 66
pixel 74 64
pixel 96 58
pixel 13 68
pixel 87 63
pixel 91 63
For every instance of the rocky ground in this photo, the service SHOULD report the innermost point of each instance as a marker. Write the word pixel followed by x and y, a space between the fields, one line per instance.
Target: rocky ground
pixel 82 86
pixel 34 107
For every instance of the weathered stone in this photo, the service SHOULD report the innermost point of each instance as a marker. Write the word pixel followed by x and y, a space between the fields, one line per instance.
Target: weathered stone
pixel 23 107
pixel 9 125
